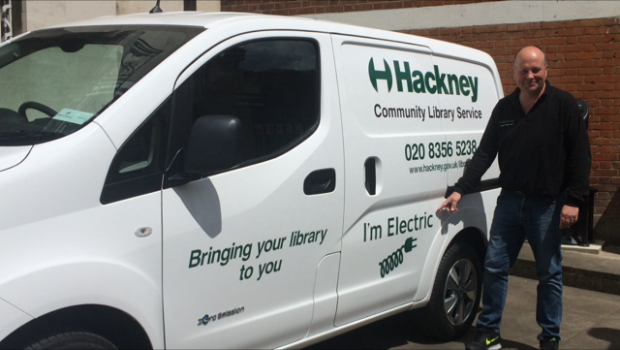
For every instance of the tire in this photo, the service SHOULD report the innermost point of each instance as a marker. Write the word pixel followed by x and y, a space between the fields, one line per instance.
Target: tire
pixel 73 340
pixel 452 307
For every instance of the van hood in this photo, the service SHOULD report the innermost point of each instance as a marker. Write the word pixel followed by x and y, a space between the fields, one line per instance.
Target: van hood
pixel 11 156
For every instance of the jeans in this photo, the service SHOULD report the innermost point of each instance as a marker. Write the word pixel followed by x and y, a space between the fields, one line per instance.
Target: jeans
pixel 538 220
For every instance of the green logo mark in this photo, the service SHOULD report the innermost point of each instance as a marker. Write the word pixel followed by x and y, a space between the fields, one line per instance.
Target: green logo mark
pixel 377 74
pixel 433 82
pixel 492 340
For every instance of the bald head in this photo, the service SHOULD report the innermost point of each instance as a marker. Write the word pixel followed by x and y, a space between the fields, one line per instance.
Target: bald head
pixel 531 71
pixel 528 51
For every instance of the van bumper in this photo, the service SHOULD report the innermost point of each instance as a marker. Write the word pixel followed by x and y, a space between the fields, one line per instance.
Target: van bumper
pixel 11 318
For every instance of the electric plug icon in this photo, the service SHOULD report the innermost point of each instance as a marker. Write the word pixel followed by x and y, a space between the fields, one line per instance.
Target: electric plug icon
pixel 409 244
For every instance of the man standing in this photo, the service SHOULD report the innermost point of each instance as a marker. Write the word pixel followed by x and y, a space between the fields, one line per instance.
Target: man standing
pixel 544 158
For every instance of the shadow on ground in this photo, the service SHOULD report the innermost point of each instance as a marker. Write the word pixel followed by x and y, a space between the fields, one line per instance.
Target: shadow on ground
pixel 400 331
pixel 610 335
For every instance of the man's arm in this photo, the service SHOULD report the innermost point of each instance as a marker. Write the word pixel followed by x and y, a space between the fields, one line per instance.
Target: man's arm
pixel 578 163
pixel 481 161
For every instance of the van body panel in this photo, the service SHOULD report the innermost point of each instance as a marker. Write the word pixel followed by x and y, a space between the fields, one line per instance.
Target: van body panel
pixel 262 208
pixel 12 318
pixel 325 296
pixel 101 261
pixel 376 125
pixel 12 156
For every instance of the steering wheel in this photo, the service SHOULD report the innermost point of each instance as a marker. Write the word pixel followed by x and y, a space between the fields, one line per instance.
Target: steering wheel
pixel 38 106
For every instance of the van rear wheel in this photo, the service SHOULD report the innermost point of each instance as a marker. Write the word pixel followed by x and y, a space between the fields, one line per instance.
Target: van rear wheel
pixel 456 294
pixel 73 340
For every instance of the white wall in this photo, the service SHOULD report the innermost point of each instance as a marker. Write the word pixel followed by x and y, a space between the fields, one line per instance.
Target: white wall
pixel 40 14
pixel 488 13
pixel 208 5
pixel 142 6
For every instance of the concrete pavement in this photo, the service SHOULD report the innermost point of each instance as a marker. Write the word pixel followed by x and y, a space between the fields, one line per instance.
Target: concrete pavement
pixel 591 321
pixel 597 272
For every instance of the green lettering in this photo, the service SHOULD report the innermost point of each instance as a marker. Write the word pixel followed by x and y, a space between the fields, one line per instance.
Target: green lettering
pixel 464 85
pixel 400 76
pixel 441 84
pixel 453 84
pixel 194 259
pixel 418 84
pixel 374 75
pixel 428 76
pixel 474 88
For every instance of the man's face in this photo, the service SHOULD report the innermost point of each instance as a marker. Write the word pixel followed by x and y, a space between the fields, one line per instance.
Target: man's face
pixel 530 71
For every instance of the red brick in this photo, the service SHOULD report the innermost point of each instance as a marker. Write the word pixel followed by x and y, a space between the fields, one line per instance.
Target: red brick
pixel 565 79
pixel 552 25
pixel 589 55
pixel 591 22
pixel 483 29
pixel 604 126
pixel 517 43
pixel 534 34
pixel 266 6
pixel 571 32
pixel 517 27
pixel 591 39
pixel 483 44
pixel 607 63
pixel 292 4
pixel 305 11
pixel 554 41
pixel 362 7
pixel 589 31
pixel 604 172
pixel 608 111
pixel 535 26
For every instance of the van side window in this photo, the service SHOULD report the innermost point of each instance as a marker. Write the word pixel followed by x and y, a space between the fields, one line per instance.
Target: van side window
pixel 137 167
pixel 272 86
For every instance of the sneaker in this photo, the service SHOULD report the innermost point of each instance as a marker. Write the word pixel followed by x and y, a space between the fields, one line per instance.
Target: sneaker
pixel 552 344
pixel 485 340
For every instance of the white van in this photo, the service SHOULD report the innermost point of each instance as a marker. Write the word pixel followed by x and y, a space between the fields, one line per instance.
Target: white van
pixel 191 180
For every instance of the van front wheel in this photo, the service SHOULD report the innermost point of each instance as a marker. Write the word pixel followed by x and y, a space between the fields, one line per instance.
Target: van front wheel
pixel 456 294
pixel 73 340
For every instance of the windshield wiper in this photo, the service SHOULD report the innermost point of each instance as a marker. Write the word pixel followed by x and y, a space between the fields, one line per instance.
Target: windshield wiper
pixel 24 137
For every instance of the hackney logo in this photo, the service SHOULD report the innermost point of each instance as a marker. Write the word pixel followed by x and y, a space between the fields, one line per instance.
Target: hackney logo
pixel 433 82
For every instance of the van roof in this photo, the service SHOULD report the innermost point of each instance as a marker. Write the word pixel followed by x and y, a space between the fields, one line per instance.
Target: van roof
pixel 248 22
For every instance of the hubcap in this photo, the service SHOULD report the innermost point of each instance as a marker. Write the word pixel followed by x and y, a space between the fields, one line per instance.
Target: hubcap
pixel 460 292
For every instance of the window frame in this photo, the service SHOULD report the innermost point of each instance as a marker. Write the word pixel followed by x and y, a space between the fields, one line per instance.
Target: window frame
pixel 181 119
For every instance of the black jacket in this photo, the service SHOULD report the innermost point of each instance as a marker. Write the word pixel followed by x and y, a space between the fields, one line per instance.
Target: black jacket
pixel 541 153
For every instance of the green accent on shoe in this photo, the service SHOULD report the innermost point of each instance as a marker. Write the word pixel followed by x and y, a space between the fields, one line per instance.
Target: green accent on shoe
pixel 492 340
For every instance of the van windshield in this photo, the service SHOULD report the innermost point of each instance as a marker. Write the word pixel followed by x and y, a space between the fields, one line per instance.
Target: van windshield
pixel 53 82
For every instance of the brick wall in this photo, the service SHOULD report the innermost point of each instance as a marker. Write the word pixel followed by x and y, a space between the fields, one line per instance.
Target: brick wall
pixel 302 7
pixel 584 59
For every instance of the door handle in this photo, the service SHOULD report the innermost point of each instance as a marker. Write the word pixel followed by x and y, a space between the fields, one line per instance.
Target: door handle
pixel 320 181
pixel 370 167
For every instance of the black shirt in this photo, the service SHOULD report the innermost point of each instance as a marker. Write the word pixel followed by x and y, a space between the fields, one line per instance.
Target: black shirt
pixel 540 153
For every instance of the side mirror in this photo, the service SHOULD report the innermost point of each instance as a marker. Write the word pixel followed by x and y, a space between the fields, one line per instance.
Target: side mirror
pixel 214 145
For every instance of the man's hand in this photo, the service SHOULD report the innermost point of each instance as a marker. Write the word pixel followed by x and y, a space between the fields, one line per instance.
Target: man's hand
pixel 569 216
pixel 451 202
